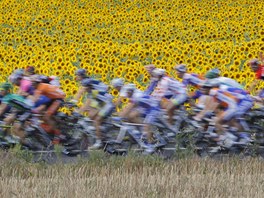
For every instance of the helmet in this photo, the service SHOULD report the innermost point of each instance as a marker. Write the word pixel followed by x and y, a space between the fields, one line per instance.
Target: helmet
pixel 87 82
pixel 19 72
pixel 117 82
pixel 80 72
pixel 213 73
pixel 216 71
pixel 254 61
pixel 5 86
pixel 30 70
pixel 181 68
pixel 15 77
pixel 158 72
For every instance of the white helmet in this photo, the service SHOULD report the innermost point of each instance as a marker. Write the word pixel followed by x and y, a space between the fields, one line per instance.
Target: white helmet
pixel 181 68
pixel 158 72
pixel 117 82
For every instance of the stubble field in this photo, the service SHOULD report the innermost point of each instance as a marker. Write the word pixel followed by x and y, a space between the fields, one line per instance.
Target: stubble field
pixel 132 176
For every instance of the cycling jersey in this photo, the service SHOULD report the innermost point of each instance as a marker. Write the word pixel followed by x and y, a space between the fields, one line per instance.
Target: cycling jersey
pixel 175 88
pixel 192 79
pixel 151 87
pixel 244 100
pixel 178 92
pixel 161 88
pixel 146 105
pixel 260 73
pixel 226 100
pixel 239 94
pixel 101 99
pixel 26 86
pixel 100 96
pixel 228 82
pixel 7 98
pixel 51 91
pixel 260 76
pixel 170 88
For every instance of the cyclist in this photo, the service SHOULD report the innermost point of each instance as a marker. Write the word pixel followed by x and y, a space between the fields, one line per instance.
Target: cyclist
pixel 169 90
pixel 228 103
pixel 5 106
pixel 141 106
pixel 118 84
pixel 188 78
pixel 24 83
pixel 80 74
pixel 99 106
pixel 223 81
pixel 191 80
pixel 54 93
pixel 257 67
pixel 153 80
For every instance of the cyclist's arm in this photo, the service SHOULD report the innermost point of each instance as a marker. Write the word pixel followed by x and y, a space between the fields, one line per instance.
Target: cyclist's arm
pixel 119 101
pixel 127 110
pixel 84 107
pixel 253 85
pixel 79 94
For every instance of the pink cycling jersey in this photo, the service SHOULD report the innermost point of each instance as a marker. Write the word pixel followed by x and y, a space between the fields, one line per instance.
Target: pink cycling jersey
pixel 25 85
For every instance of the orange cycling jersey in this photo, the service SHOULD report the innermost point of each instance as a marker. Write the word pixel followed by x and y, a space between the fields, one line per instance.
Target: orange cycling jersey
pixel 51 91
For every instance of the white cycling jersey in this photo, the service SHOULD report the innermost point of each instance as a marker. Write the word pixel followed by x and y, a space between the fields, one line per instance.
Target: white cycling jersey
pixel 162 88
pixel 176 88
pixel 228 82
pixel 168 86
pixel 192 79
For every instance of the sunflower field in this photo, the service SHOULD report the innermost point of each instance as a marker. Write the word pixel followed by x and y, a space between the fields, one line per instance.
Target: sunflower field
pixel 116 38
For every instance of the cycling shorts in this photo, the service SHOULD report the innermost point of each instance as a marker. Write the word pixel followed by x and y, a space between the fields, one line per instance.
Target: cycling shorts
pixel 151 116
pixel 243 107
pixel 43 100
pixel 230 112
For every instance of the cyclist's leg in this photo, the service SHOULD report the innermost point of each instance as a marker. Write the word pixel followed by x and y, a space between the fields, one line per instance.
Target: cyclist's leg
pixel 225 117
pixel 8 121
pixel 243 107
pixel 134 116
pixel 106 111
pixel 150 116
pixel 51 111
pixel 174 103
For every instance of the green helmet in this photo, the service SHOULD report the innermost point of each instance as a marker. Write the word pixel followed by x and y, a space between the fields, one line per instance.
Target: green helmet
pixel 213 73
pixel 5 86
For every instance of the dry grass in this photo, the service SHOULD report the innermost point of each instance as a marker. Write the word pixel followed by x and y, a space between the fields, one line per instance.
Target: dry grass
pixel 132 177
